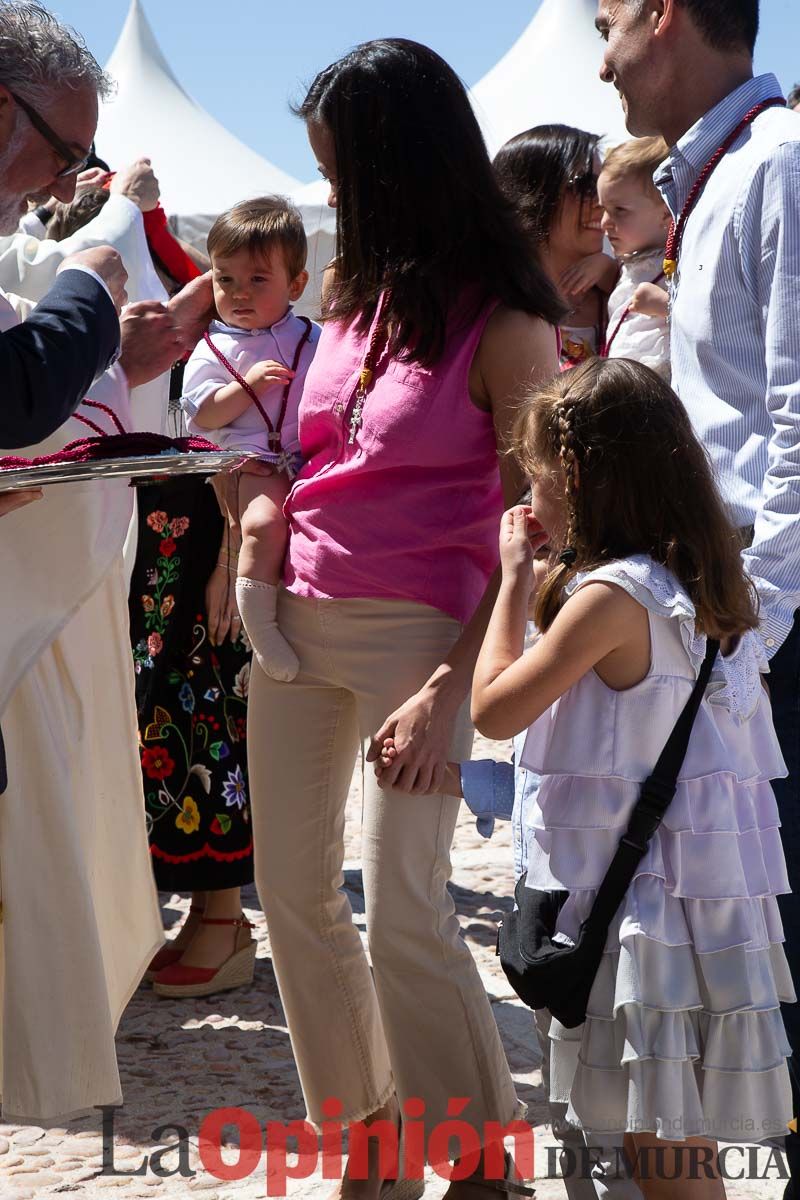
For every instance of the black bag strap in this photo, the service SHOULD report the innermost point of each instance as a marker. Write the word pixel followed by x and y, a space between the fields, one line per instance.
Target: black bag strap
pixel 655 797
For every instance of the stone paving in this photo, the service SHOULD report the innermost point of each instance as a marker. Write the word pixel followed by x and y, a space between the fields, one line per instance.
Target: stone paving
pixel 180 1059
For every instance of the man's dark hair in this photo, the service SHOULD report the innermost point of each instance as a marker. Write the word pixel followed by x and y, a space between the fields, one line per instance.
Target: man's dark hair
pixel 794 96
pixel 725 24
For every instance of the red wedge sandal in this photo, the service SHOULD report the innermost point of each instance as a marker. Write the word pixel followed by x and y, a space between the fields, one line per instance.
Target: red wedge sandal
pixel 170 953
pixel 237 970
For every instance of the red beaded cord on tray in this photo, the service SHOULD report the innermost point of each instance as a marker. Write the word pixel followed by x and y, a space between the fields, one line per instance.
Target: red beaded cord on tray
pixel 109 445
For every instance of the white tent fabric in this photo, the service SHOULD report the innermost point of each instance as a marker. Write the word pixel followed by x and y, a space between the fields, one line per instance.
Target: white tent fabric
pixel 551 75
pixel 320 225
pixel 202 168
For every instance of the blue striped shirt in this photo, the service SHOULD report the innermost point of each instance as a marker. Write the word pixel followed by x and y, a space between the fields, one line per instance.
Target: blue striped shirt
pixel 736 329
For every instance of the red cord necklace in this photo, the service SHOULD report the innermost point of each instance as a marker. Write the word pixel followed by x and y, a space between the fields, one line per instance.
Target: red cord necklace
pixel 376 347
pixel 273 431
pixel 605 349
pixel 676 229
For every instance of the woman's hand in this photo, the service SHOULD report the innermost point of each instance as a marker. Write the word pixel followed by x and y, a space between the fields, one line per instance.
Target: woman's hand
pixel 521 537
pixel 223 614
pixel 421 733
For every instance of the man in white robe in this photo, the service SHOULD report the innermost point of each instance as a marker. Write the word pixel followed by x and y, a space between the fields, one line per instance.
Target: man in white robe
pixel 80 913
pixel 80 919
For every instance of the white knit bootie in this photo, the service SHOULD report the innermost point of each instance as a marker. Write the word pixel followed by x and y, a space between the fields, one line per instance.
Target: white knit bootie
pixel 258 606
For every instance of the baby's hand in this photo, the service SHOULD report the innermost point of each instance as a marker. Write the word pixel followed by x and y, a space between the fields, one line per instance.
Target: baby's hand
pixel 265 375
pixel 452 779
pixel 596 270
pixel 651 301
pixel 387 756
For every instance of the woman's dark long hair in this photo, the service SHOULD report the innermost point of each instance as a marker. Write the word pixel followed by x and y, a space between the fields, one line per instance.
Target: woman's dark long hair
pixel 535 168
pixel 419 209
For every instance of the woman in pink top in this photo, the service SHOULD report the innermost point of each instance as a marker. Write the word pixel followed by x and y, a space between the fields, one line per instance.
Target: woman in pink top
pixel 437 319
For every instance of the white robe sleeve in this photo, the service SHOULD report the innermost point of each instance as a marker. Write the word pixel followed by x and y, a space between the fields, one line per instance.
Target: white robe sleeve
pixel 28 266
pixel 57 551
pixel 32 226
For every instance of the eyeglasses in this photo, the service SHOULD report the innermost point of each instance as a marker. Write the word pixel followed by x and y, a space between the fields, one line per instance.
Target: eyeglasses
pixel 584 185
pixel 74 164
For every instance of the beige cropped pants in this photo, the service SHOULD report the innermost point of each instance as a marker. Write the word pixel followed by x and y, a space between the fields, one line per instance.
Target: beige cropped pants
pixel 420 1023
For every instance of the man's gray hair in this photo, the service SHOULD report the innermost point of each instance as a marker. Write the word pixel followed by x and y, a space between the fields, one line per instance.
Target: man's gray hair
pixel 38 53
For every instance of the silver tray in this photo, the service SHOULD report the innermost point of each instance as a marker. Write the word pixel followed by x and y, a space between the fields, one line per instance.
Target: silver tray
pixel 140 466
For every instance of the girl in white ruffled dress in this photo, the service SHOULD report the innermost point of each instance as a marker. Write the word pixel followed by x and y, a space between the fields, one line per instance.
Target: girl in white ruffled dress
pixel 634 563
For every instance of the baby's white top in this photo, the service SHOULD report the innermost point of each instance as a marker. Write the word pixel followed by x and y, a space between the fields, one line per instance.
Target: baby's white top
pixel 205 375
pixel 644 339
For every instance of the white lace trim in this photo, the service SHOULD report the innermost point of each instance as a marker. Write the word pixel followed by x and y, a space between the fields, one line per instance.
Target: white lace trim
pixel 736 680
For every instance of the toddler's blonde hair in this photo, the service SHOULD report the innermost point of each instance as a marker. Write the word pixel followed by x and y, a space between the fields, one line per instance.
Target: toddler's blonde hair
pixel 637 159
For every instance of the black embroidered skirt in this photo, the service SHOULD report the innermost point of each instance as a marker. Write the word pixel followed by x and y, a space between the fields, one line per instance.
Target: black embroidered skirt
pixel 191 697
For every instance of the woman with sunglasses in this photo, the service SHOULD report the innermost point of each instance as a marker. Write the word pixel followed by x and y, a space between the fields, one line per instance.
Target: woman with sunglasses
pixel 437 319
pixel 550 174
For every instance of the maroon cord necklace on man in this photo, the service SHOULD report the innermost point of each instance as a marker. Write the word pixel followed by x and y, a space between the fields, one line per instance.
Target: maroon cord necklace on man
pixel 677 228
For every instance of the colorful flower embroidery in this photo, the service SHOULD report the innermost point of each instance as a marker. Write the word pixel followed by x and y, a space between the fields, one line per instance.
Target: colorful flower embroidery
pixel 204 775
pixel 241 684
pixel 160 606
pixel 194 770
pixel 234 790
pixel 157 521
pixel 189 818
pixel 157 763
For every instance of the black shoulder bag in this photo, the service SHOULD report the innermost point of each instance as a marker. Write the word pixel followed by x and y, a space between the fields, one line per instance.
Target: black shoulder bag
pixel 547 974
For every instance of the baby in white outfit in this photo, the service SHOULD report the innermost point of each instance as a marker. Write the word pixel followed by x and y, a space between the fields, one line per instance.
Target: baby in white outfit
pixel 242 388
pixel 636 222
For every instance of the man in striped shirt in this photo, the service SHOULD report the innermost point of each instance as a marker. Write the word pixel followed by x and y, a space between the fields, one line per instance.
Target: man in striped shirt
pixel 684 69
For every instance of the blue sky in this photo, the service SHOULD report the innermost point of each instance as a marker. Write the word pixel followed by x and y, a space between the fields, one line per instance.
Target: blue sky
pixel 245 59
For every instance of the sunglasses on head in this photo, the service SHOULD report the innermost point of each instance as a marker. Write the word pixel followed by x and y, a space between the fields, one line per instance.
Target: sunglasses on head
pixel 584 185
pixel 73 163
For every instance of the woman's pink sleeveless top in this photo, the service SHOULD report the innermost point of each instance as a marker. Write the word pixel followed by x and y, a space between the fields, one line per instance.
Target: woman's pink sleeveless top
pixel 411 509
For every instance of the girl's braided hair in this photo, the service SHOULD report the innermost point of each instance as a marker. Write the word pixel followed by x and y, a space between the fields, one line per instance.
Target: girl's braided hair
pixel 636 481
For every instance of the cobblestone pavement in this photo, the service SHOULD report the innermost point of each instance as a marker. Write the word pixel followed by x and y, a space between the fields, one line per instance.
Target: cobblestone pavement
pixel 180 1059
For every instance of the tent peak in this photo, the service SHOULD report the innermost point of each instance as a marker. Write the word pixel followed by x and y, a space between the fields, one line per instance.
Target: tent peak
pixel 550 75
pixel 137 43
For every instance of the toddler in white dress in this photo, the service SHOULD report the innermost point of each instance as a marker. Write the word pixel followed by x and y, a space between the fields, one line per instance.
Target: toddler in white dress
pixel 634 563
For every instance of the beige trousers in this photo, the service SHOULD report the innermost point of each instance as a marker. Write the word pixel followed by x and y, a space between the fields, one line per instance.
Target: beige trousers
pixel 420 1024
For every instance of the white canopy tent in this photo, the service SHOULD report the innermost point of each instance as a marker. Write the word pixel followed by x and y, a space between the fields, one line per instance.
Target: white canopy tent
pixel 549 76
pixel 202 168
